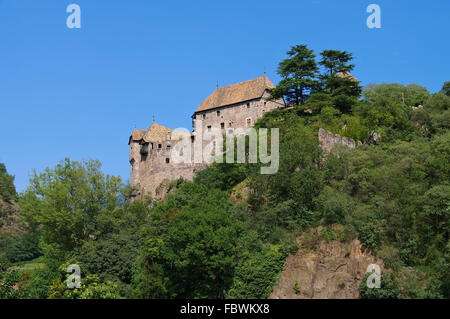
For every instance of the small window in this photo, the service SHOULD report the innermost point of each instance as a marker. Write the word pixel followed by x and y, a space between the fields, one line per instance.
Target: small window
pixel 144 149
pixel 222 125
pixel 249 122
pixel 218 113
pixel 204 116
pixel 229 124
pixel 168 146
pixel 192 138
pixel 159 146
pixel 248 105
pixel 265 103
pixel 209 128
pixel 167 160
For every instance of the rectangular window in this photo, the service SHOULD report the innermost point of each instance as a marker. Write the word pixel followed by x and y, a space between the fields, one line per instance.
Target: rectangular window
pixel 249 122
pixel 204 116
pixel 248 105
pixel 222 125
pixel 159 146
pixel 167 160
pixel 218 113
pixel 144 149
pixel 209 128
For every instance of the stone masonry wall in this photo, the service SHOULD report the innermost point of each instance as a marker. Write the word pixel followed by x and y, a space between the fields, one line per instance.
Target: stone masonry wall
pixel 236 116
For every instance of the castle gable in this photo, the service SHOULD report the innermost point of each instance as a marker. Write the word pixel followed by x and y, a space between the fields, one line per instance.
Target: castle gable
pixel 236 93
pixel 137 135
pixel 156 133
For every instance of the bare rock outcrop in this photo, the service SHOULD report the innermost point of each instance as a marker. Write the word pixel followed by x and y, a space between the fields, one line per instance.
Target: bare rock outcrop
pixel 330 270
pixel 328 140
pixel 9 217
pixel 373 138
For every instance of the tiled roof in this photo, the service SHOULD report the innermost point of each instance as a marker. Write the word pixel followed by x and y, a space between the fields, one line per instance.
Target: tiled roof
pixel 235 93
pixel 346 75
pixel 156 133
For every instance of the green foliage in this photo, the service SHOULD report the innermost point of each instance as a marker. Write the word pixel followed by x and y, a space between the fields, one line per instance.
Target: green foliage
pixel 388 289
pixel 404 284
pixel 110 258
pixel 298 74
pixel 91 288
pixel 333 205
pixel 343 89
pixel 446 88
pixel 222 176
pixel 7 188
pixel 22 247
pixel 36 284
pixel 192 245
pixel 8 280
pixel 256 274
pixel 72 203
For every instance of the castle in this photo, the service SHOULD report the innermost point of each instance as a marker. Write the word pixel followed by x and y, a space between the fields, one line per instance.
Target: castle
pixel 228 109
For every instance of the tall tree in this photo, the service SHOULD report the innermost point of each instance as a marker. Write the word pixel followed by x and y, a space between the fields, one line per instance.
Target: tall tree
pixel 446 88
pixel 336 78
pixel 70 203
pixel 299 73
pixel 7 189
pixel 335 61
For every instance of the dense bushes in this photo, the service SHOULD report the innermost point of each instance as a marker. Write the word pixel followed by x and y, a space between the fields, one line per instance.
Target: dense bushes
pixel 22 247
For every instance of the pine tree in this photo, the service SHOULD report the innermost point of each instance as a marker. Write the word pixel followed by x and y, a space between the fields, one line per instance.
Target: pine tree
pixel 298 74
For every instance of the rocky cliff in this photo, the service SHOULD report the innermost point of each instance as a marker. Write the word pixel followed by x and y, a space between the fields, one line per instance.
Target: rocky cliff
pixel 329 140
pixel 327 269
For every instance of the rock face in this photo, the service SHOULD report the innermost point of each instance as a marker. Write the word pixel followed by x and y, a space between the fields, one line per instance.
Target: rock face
pixel 9 217
pixel 373 138
pixel 331 270
pixel 329 140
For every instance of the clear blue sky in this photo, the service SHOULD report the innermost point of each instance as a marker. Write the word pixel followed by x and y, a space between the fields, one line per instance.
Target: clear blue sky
pixel 79 93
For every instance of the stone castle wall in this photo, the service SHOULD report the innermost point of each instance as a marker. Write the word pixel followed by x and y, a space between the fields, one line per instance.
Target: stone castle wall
pixel 148 173
pixel 236 115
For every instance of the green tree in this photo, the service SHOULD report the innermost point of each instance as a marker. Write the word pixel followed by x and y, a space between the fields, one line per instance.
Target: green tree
pixel 446 88
pixel 336 64
pixel 191 248
pixel 71 203
pixel 298 74
pixel 7 188
pixel 335 61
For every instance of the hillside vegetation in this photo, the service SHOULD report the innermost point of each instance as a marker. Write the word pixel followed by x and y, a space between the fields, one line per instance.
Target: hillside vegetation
pixel 228 233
